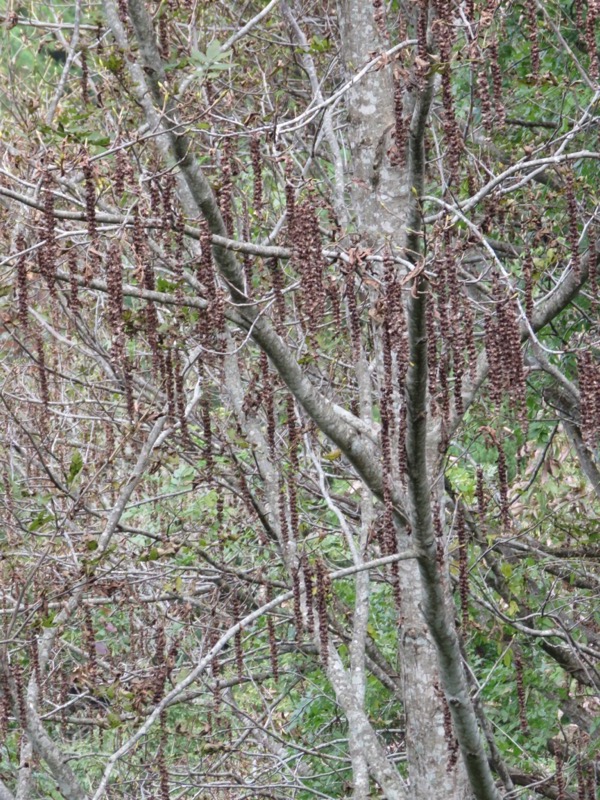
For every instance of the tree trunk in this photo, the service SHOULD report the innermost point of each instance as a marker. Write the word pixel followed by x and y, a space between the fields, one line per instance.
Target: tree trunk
pixel 380 194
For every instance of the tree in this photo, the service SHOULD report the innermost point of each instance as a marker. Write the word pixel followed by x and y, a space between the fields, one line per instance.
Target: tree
pixel 301 400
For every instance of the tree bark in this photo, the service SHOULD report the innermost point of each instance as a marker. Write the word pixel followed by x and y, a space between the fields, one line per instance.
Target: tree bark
pixel 381 201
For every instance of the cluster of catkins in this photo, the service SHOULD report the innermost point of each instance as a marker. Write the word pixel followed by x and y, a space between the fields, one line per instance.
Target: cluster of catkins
pixel 305 240
pixel 449 736
pixel 449 320
pixel 463 565
pixel 503 347
pixel 47 254
pixel 444 33
pixel 521 698
pixel 588 369
pixel 272 639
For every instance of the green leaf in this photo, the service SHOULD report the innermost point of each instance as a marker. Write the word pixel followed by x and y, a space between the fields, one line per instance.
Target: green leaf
pixel 40 520
pixel 113 63
pixel 319 44
pixel 114 720
pixel 75 467
pixel 214 60
pixel 163 285
pixel 98 140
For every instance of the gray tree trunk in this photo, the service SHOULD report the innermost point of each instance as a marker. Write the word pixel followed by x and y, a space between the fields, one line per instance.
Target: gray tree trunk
pixel 380 201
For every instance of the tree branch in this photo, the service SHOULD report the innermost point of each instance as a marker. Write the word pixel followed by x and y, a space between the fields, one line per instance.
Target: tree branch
pixel 435 610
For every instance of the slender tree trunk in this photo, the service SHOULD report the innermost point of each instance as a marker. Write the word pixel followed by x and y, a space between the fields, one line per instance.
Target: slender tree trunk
pixel 380 195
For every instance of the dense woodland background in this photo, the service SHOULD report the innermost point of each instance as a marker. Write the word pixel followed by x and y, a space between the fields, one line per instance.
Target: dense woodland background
pixel 299 399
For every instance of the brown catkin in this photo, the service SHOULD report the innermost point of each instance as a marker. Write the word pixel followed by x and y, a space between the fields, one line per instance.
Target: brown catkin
pixel 422 60
pixel 268 401
pixel 402 454
pixel 272 639
pixel 560 776
pixel 480 493
pixel 395 321
pixel 322 591
pixel 277 281
pixel 308 585
pixel 89 638
pixel 48 253
pixel 591 782
pixel 85 94
pixel 213 638
pixel 452 132
pixel 336 306
pixel 458 354
pixel 481 86
pixel 588 371
pixel 283 517
pixel 503 487
pixel 123 172
pixel 74 299
pixel 90 207
pixel 226 190
pixel 387 423
pixel 308 260
pixel 444 392
pixel 593 266
pixel 170 383
pixel 128 381
pixel 22 284
pixel 432 352
pixel 578 8
pixel 503 348
pixel 163 34
pixel 294 441
pixel 532 24
pixel 297 606
pixel 5 711
pixel 528 278
pixel 590 36
pixel 463 566
pixel 114 285
pixel 443 300
pixel 257 188
pixel 154 190
pixel 573 235
pixel 239 650
pixel 379 18
pixel 440 551
pixel 497 82
pixel 42 374
pixel 521 693
pixel 290 199
pixel 180 397
pixel 451 741
pixel 469 337
pixel 206 275
pixel 354 316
